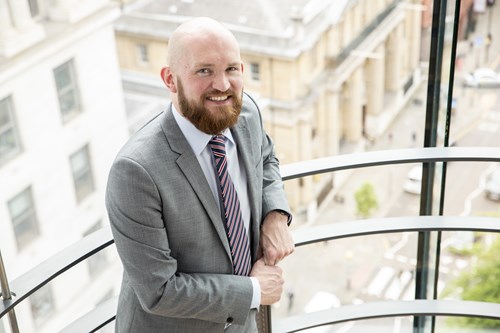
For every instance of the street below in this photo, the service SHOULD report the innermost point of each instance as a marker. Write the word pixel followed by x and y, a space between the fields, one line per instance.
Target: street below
pixel 382 267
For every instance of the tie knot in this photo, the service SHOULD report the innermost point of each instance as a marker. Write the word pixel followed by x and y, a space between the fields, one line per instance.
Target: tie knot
pixel 217 144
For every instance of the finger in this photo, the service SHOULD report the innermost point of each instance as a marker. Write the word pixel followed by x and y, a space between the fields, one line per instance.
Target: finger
pixel 267 260
pixel 259 253
pixel 273 261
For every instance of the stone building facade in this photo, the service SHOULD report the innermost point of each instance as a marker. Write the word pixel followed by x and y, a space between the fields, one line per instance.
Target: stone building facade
pixel 62 121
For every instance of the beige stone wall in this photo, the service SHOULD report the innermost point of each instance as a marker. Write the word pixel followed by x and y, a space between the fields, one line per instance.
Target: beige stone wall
pixel 128 53
pixel 264 86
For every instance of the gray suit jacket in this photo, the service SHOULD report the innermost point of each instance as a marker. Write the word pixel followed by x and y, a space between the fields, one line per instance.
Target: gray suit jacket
pixel 170 237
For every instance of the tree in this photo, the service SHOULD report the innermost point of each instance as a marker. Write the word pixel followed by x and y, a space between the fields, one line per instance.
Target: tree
pixel 481 283
pixel 366 200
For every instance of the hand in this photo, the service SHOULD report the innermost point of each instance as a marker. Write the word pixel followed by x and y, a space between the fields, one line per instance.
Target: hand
pixel 276 241
pixel 270 280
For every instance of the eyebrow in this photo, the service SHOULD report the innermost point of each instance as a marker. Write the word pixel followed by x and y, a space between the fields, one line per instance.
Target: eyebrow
pixel 232 64
pixel 203 65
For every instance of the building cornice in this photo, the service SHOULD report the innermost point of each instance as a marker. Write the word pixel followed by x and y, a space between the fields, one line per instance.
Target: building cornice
pixel 286 41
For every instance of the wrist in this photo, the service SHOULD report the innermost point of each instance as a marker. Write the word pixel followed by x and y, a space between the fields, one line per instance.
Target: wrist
pixel 285 214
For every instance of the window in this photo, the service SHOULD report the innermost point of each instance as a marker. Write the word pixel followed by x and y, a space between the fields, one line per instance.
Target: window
pixel 67 90
pixel 22 214
pixel 142 52
pixel 82 173
pixel 34 8
pixel 255 71
pixel 42 304
pixel 98 261
pixel 9 140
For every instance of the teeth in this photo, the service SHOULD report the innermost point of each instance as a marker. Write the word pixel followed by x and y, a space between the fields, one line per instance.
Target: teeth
pixel 218 98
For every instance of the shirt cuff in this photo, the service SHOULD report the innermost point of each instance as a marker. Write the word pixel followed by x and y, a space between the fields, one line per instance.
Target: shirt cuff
pixel 288 215
pixel 256 293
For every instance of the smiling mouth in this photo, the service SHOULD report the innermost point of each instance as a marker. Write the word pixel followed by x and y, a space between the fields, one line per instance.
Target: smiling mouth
pixel 218 98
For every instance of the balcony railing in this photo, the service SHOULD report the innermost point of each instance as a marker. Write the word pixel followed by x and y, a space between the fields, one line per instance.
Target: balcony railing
pixel 16 291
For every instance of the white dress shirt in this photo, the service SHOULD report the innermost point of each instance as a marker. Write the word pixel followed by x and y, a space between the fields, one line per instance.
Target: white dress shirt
pixel 198 141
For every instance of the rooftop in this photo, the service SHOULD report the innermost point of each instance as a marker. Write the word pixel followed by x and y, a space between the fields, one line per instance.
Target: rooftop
pixel 281 27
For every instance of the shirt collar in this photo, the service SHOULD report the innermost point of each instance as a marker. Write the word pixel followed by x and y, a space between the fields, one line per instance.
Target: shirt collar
pixel 197 139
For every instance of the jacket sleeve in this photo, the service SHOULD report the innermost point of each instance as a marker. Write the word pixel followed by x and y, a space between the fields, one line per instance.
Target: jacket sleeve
pixel 273 194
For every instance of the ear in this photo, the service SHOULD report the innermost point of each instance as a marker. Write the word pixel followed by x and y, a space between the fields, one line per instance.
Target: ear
pixel 242 67
pixel 168 78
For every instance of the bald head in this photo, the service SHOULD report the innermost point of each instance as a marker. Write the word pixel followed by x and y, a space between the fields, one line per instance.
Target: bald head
pixel 193 31
pixel 204 74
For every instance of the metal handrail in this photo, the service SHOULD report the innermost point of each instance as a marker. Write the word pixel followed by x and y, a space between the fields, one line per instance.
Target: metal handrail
pixel 6 295
pixel 40 275
pixel 106 312
pixel 393 156
pixel 366 227
pixel 94 320
pixel 385 309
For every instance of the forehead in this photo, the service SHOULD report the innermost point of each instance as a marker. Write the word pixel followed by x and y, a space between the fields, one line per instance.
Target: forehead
pixel 209 49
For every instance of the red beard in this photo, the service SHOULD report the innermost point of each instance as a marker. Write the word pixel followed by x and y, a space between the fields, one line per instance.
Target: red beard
pixel 210 122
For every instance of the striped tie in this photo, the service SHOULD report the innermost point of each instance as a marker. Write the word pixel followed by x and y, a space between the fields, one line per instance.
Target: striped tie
pixel 236 232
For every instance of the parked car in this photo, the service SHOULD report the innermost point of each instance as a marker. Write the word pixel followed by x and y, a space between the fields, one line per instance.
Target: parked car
pixel 413 183
pixel 482 78
pixel 492 186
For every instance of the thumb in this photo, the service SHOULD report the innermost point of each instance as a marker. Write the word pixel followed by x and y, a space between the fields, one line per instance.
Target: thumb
pixel 260 253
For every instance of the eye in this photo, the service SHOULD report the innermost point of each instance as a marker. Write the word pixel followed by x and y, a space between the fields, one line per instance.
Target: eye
pixel 232 69
pixel 204 71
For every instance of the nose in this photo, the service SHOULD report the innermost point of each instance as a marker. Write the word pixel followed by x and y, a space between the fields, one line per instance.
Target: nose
pixel 221 82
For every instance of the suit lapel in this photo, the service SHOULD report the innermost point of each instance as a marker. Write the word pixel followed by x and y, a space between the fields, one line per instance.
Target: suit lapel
pixel 243 139
pixel 189 166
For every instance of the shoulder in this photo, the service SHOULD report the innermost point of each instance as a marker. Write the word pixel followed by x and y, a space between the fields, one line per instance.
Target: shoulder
pixel 249 104
pixel 250 111
pixel 145 141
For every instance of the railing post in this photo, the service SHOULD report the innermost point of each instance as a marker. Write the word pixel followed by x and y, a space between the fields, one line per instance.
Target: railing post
pixel 264 319
pixel 7 295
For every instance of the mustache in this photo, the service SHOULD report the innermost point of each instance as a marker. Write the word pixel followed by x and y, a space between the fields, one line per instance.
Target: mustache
pixel 217 93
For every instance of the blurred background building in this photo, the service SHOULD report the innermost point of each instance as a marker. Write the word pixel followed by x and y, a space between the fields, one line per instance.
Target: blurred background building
pixel 62 119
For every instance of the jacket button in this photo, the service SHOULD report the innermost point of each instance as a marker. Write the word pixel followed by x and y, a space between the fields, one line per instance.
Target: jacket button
pixel 229 320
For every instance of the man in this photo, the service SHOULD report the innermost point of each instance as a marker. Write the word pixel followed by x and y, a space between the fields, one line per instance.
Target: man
pixel 173 211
